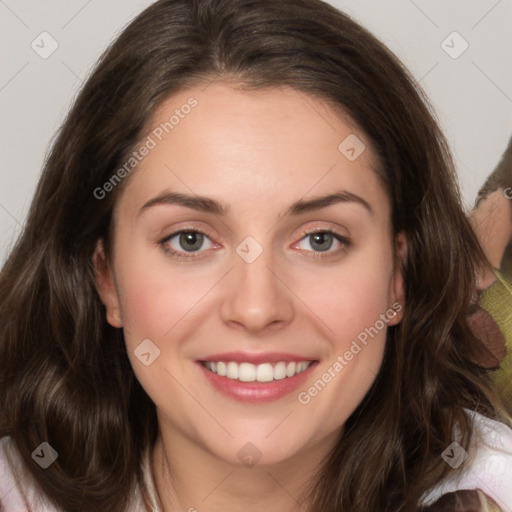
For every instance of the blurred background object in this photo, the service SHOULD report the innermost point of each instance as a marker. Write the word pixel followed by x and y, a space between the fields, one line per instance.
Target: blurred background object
pixel 492 222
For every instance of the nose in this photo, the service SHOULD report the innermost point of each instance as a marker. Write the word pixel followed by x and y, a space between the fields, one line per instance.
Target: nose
pixel 257 298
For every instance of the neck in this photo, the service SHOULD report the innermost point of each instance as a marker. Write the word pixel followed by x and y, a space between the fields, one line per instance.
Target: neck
pixel 190 478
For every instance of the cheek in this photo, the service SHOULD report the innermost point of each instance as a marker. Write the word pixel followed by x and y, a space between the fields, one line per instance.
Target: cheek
pixel 160 300
pixel 350 303
pixel 155 304
pixel 351 296
pixel 152 296
pixel 152 305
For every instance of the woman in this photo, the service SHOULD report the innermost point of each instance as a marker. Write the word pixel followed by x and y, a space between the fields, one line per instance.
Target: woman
pixel 244 283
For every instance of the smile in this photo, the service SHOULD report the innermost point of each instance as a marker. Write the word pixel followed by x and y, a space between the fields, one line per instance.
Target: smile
pixel 248 372
pixel 257 382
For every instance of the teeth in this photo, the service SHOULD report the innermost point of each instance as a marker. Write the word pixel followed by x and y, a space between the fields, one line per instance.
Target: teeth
pixel 221 369
pixel 232 371
pixel 266 372
pixel 280 371
pixel 247 372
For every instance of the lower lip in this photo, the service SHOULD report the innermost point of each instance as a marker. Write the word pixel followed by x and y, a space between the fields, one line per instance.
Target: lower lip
pixel 257 392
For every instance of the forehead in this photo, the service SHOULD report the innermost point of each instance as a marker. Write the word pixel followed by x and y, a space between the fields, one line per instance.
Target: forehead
pixel 248 147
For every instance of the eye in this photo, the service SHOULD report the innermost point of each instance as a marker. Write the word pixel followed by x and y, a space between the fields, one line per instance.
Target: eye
pixel 186 241
pixel 321 241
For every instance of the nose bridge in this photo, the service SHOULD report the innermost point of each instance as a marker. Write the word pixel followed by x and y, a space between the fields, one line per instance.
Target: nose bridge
pixel 256 297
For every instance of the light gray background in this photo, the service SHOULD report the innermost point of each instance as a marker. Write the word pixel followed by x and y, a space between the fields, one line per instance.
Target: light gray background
pixel 471 94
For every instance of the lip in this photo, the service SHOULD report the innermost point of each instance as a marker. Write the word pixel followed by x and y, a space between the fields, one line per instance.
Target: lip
pixel 256 358
pixel 256 392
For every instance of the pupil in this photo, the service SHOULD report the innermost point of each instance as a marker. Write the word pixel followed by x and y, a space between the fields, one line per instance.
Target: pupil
pixel 194 240
pixel 323 239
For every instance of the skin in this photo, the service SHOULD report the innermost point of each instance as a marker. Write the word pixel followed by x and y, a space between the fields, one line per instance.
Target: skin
pixel 257 152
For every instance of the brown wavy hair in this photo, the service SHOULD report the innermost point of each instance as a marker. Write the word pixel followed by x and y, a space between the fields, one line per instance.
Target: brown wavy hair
pixel 65 374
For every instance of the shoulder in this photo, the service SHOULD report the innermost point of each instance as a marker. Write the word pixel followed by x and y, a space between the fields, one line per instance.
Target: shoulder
pixel 487 465
pixel 18 492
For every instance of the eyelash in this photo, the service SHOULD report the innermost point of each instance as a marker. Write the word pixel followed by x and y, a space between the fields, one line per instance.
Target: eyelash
pixel 316 254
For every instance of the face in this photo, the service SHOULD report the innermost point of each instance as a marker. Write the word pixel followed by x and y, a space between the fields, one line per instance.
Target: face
pixel 227 267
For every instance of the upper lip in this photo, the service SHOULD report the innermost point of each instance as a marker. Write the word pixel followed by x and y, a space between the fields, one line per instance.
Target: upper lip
pixel 256 358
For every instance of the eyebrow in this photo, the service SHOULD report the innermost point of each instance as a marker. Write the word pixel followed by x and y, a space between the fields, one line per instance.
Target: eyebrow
pixel 209 205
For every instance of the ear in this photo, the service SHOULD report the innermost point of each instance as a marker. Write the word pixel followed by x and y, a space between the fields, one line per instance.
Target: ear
pixel 105 285
pixel 397 289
